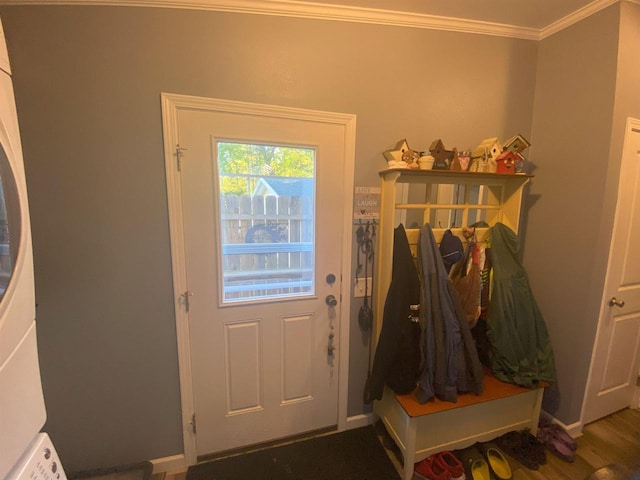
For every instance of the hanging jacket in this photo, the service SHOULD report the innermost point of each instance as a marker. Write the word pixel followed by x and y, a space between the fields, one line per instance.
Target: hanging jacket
pixel 466 279
pixel 521 350
pixel 397 357
pixel 450 361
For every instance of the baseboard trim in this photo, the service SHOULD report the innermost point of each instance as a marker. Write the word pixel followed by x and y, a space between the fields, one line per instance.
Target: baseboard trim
pixel 145 468
pixel 635 402
pixel 168 466
pixel 573 429
pixel 361 420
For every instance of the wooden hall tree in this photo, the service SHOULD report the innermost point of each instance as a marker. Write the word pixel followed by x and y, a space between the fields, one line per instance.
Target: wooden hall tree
pixel 446 199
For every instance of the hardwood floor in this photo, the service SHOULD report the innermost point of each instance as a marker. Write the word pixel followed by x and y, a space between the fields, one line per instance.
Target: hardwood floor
pixel 611 440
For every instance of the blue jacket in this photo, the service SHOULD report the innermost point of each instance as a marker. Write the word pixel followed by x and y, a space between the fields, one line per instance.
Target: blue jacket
pixel 450 361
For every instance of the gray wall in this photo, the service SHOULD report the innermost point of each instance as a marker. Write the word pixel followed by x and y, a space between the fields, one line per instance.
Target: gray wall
pixel 87 82
pixel 587 84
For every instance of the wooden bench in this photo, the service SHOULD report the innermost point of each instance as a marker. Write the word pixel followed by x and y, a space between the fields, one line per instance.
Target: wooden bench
pixel 421 430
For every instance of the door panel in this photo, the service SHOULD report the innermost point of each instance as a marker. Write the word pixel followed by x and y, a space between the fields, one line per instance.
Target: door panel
pixel 297 345
pixel 243 366
pixel 260 357
pixel 616 355
pixel 618 369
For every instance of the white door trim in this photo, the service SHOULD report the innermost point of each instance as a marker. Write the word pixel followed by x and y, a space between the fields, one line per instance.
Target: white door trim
pixel 631 124
pixel 171 104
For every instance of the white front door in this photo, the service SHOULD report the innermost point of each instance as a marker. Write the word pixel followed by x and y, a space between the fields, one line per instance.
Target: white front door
pixel 263 205
pixel 616 356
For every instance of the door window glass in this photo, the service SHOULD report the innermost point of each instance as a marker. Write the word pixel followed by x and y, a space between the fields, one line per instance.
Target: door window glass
pixel 267 206
pixel 9 223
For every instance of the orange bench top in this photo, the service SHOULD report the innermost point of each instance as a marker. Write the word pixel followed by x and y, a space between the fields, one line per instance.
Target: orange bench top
pixel 493 389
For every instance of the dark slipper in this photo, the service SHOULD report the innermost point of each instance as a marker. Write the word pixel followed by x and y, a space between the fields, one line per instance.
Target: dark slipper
pixel 475 464
pixel 559 448
pixel 550 428
pixel 563 435
pixel 513 444
pixel 498 463
pixel 535 446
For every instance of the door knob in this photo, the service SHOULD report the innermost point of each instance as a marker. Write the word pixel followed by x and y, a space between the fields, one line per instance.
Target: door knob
pixel 616 303
pixel 331 300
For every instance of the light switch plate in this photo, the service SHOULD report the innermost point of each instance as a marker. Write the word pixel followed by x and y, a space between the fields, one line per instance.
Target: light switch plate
pixel 358 291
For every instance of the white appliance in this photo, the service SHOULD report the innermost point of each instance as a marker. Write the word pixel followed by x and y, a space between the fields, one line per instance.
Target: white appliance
pixel 24 451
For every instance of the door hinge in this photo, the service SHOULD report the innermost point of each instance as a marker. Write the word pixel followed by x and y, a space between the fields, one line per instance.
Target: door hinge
pixel 185 299
pixel 179 154
pixel 193 423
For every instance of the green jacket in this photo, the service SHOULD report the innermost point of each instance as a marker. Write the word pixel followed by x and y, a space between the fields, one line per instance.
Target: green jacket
pixel 521 350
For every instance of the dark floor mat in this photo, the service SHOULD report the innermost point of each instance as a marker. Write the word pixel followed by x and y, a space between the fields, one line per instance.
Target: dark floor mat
pixel 351 455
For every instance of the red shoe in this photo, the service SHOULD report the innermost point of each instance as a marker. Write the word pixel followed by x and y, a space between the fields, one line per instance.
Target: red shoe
pixel 430 469
pixel 451 463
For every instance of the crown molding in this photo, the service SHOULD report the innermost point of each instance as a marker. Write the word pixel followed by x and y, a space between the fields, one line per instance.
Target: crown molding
pixel 320 11
pixel 345 13
pixel 576 16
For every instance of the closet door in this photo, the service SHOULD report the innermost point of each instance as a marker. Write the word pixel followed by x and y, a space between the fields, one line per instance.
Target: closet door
pixel 616 354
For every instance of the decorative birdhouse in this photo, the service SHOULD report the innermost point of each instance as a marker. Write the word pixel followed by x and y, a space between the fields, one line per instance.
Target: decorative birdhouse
pixel 517 144
pixel 484 156
pixel 402 156
pixel 479 164
pixel 507 161
pixel 442 157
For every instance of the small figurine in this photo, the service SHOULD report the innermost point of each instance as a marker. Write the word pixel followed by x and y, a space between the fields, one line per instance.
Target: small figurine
pixel 411 158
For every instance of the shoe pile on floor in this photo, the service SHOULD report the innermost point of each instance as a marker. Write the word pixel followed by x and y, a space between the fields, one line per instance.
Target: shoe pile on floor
pixel 557 440
pixel 486 461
